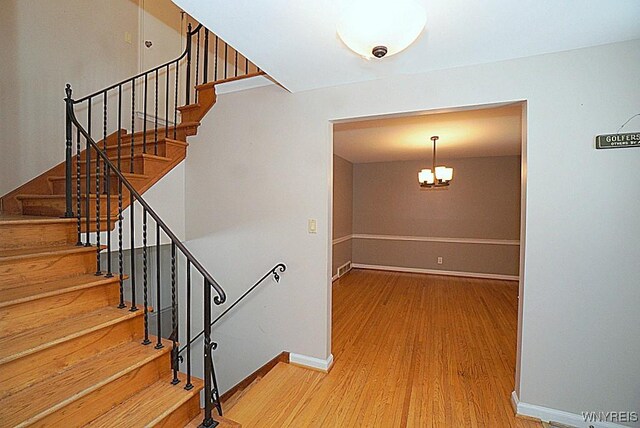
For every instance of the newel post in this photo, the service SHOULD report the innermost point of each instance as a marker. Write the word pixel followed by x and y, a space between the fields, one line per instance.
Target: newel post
pixel 68 154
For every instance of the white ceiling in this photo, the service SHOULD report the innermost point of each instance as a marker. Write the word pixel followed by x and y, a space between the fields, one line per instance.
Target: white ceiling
pixel 296 42
pixel 494 131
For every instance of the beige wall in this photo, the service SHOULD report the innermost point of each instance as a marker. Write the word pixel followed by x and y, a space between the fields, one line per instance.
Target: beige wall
pixel 260 167
pixel 482 202
pixel 46 44
pixel 342 211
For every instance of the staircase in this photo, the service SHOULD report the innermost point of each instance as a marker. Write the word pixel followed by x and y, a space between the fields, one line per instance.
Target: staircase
pixel 75 342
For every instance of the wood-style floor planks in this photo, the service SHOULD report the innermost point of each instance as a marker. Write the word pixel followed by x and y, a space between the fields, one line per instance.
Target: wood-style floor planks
pixel 410 350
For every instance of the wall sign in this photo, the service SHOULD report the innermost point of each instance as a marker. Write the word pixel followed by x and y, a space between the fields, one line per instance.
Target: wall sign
pixel 618 141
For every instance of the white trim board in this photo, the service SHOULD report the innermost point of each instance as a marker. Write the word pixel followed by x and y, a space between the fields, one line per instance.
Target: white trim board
pixel 311 362
pixel 548 414
pixel 151 118
pixel 438 272
pixel 438 239
pixel 341 239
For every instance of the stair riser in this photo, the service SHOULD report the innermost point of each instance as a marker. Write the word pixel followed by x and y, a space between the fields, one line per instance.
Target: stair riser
pixel 46 268
pixel 25 371
pixel 58 186
pixel 145 166
pixel 138 147
pixel 138 139
pixel 34 235
pixel 56 206
pixel 22 316
pixel 182 415
pixel 92 405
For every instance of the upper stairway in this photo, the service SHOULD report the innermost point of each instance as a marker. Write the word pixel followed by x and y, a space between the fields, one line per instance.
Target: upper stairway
pixel 142 124
pixel 77 346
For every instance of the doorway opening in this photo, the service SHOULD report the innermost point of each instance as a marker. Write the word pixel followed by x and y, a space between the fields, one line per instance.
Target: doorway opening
pixel 442 265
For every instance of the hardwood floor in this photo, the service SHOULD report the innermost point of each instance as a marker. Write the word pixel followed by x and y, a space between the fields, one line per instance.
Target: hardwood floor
pixel 410 351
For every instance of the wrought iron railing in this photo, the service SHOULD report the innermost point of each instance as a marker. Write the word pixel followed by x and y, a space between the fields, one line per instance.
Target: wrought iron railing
pixel 103 183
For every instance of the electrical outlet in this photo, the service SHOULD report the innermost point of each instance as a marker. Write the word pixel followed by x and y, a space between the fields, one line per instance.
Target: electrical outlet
pixel 439 260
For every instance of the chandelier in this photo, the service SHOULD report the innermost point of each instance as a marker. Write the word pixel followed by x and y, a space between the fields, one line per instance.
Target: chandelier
pixel 437 176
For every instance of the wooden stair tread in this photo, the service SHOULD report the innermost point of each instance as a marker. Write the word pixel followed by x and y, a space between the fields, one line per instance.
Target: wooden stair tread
pixel 60 389
pixel 189 107
pixel 22 293
pixel 150 144
pixel 214 83
pixel 135 156
pixel 25 253
pixel 73 196
pixel 149 406
pixel 128 175
pixel 44 336
pixel 16 219
pixel 161 130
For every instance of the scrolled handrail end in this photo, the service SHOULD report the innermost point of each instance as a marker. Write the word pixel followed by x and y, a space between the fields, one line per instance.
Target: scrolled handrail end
pixel 279 267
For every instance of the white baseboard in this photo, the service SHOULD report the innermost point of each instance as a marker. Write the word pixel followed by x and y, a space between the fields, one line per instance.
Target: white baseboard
pixel 438 272
pixel 311 362
pixel 548 414
pixel 334 277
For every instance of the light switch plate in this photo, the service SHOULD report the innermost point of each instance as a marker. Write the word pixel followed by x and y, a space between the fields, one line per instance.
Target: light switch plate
pixel 312 225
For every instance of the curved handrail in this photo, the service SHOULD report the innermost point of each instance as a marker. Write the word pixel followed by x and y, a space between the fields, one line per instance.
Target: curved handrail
pixel 221 297
pixel 131 79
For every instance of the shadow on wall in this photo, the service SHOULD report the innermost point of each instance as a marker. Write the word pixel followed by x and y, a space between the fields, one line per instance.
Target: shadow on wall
pixel 164 308
pixel 9 95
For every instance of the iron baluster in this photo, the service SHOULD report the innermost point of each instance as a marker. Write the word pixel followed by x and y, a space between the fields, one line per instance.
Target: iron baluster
pixel 133 122
pixel 235 65
pixel 197 61
pixel 226 61
pixel 215 393
pixel 68 157
pixel 145 297
pixel 175 106
pixel 98 196
pixel 215 61
pixel 166 106
pixel 208 419
pixel 188 385
pixel 159 332
pixel 132 279
pixel 155 132
pixel 107 185
pixel 246 66
pixel 78 191
pixel 205 66
pixel 87 185
pixel 174 316
pixel 188 76
pixel 120 209
pixel 144 119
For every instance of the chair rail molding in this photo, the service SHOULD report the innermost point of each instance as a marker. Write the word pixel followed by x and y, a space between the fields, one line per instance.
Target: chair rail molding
pixel 485 241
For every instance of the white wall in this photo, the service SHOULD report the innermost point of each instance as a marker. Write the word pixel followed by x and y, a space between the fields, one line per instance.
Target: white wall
pixel 44 46
pixel 42 50
pixel 260 167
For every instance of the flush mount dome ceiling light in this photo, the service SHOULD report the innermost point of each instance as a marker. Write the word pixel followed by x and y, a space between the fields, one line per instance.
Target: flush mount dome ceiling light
pixel 375 28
